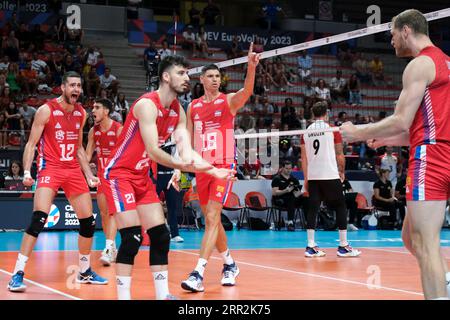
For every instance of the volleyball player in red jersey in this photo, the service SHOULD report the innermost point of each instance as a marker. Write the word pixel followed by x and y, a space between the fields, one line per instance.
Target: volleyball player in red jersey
pixel 421 120
pixel 102 138
pixel 58 127
pixel 130 194
pixel 211 123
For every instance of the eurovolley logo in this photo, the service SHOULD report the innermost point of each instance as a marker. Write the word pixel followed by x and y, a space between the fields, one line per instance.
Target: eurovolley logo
pixel 53 217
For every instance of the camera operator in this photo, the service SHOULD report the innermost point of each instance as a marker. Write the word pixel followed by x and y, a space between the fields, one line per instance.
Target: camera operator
pixel 286 193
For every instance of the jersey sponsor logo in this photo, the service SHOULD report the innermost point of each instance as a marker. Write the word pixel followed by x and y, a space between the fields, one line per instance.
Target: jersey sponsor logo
pixel 111 133
pixel 58 113
pixel 196 117
pixel 59 135
pixel 98 133
pixel 58 126
pixel 218 113
pixel 219 101
pixel 77 114
pixel 173 114
pixel 197 105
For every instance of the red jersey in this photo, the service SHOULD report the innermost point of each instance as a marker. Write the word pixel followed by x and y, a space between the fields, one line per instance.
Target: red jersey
pixel 105 142
pixel 129 156
pixel 431 124
pixel 60 139
pixel 213 126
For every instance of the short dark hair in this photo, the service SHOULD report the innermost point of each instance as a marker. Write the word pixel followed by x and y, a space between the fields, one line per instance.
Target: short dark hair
pixel 70 74
pixel 211 66
pixel 286 163
pixel 319 109
pixel 106 103
pixel 340 114
pixel 170 61
pixel 412 18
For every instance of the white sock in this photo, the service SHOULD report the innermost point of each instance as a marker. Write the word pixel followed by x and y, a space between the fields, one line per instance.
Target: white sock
pixel 20 263
pixel 343 238
pixel 441 298
pixel 123 287
pixel 201 265
pixel 161 280
pixel 447 278
pixel 110 244
pixel 85 262
pixel 311 242
pixel 226 256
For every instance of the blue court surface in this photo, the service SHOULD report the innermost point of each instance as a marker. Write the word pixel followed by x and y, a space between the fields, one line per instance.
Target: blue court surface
pixel 237 239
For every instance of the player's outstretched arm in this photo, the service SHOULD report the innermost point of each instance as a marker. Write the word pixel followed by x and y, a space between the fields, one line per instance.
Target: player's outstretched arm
pixel 237 100
pixel 399 140
pixel 418 74
pixel 40 119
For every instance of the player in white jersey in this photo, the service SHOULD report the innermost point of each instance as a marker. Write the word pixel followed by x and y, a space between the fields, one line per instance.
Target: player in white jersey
pixel 323 164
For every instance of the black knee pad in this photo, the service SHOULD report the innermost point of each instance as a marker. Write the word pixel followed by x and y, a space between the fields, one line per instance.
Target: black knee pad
pixel 37 223
pixel 87 227
pixel 129 246
pixel 159 245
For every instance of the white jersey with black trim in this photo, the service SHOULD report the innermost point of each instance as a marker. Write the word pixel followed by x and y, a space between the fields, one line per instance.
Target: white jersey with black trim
pixel 320 152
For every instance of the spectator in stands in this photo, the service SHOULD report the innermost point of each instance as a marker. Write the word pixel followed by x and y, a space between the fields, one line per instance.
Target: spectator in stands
pixel 197 91
pixel 38 37
pixel 309 92
pixel 14 22
pixel 307 105
pixel 389 161
pixel 362 68
pixel 90 59
pixel 109 82
pixel 383 197
pixel 5 98
pixel 194 15
pixel 358 119
pixel 13 117
pixel 70 65
pixel 3 131
pixel 338 87
pixel 270 12
pixel 59 31
pixel 24 36
pixel 286 193
pixel 400 195
pixel 122 106
pixel 3 84
pixel 342 117
pixel 4 64
pixel 258 46
pixel 280 74
pixel 41 68
pixel 352 206
pixel 185 99
pixel 354 88
pixel 210 13
pixel 305 64
pixel 31 79
pixel 27 113
pixel 259 88
pixel 202 43
pixel 11 47
pixel 12 78
pixel 235 50
pixel 15 174
pixel 322 92
pixel 377 70
pixel 286 111
pixel 189 42
pixel 345 55
pixel 268 109
pixel 164 51
pixel 74 38
pixel 252 166
pixel 224 80
pixel 92 83
pixel 56 67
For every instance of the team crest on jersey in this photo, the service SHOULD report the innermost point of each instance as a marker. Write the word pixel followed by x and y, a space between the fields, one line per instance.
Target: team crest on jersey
pixel 58 126
pixel 58 113
pixel 217 113
pixel 77 126
pixel 111 133
pixel 59 135
pixel 197 105
pixel 173 114
pixel 196 117
pixel 220 189
pixel 219 101
pixel 77 114
pixel 98 133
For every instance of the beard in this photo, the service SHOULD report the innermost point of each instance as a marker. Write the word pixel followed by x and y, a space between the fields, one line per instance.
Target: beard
pixel 180 89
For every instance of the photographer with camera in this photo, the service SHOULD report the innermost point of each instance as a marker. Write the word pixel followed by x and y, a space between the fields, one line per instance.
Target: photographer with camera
pixel 286 193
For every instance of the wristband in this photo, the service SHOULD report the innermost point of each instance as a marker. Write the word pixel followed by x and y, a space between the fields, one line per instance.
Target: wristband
pixel 27 174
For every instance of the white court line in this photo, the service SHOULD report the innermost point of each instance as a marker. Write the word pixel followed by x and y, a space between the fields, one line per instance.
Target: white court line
pixel 45 287
pixel 403 252
pixel 313 275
